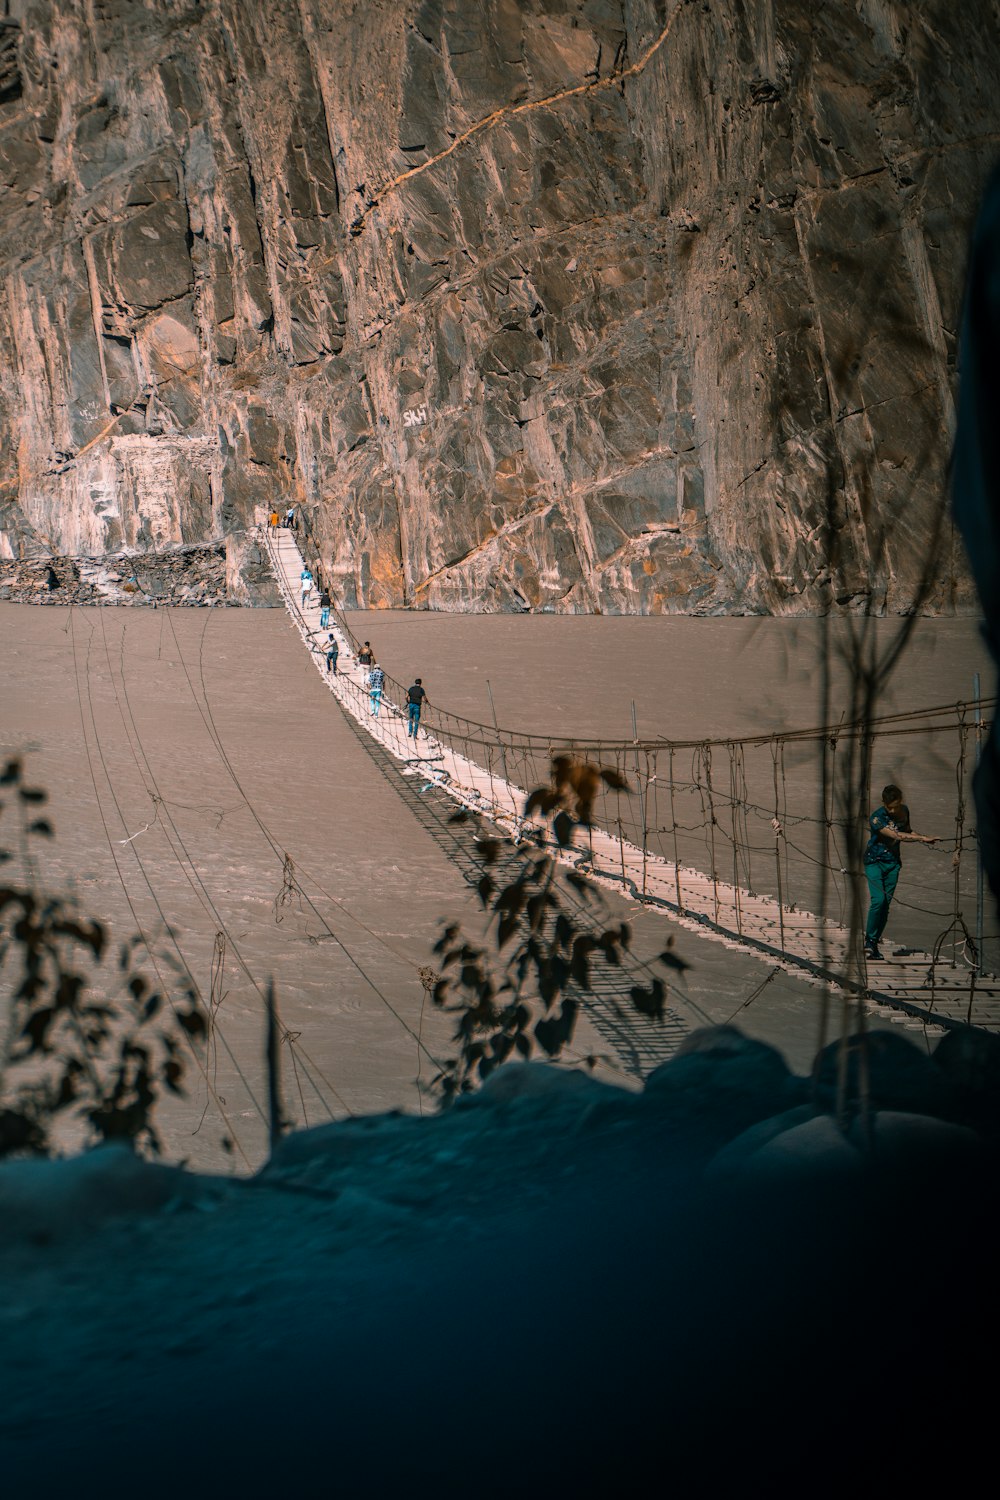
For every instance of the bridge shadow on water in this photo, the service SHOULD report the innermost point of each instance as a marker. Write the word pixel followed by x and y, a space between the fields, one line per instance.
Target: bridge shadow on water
pixel 638 1042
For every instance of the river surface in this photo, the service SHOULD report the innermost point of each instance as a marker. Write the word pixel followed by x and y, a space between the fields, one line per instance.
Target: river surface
pixel 207 791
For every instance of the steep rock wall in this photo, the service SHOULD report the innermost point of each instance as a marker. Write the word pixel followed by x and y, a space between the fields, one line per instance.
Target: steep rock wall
pixel 548 304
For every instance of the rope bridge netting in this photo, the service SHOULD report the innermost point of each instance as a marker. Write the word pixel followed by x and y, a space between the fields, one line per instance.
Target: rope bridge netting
pixel 778 815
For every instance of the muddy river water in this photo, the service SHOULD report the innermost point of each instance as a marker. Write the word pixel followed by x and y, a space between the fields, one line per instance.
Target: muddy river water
pixel 207 791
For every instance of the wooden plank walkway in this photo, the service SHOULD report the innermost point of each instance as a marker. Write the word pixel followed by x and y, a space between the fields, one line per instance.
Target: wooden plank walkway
pixel 908 987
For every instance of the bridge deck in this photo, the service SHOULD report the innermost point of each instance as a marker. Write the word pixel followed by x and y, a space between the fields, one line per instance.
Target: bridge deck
pixel 908 987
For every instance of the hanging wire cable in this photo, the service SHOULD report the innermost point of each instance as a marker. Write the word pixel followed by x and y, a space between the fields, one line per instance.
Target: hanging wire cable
pixel 147 945
pixel 176 843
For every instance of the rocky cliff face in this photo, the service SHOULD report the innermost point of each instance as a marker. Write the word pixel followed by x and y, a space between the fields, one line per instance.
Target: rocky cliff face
pixel 546 304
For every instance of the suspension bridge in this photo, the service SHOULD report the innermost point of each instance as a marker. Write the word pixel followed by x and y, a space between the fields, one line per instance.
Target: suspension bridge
pixel 708 834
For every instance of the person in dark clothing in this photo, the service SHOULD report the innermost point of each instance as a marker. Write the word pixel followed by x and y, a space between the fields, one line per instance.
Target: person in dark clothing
pixel 366 656
pixel 414 703
pixel 324 606
pixel 890 827
pixel 332 652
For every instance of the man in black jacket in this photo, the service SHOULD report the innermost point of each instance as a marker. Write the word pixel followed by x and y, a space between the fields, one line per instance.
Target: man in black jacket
pixel 414 703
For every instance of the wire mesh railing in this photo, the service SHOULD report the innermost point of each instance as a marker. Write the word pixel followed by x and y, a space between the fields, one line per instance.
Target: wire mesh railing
pixel 776 815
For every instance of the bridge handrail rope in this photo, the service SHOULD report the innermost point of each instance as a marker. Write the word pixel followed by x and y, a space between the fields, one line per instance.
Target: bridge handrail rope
pixel 656 847
pixel 483 735
pixel 473 734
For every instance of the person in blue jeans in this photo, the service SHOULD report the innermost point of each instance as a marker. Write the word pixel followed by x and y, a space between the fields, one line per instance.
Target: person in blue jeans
pixel 332 652
pixel 414 703
pixel 376 682
pixel 890 827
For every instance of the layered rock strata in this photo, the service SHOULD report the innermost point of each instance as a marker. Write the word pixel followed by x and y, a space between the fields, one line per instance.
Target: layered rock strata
pixel 529 304
pixel 183 575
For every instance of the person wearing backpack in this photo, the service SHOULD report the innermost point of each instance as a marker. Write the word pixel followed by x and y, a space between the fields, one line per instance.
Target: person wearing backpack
pixel 306 580
pixel 415 697
pixel 376 682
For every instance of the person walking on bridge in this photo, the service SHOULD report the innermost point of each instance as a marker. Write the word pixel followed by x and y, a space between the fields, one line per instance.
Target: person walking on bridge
pixel 306 580
pixel 415 697
pixel 890 827
pixel 324 608
pixel 366 656
pixel 376 682
pixel 332 652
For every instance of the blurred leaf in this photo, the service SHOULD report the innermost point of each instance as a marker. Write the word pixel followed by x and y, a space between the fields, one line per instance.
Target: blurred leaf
pixel 671 961
pixel 649 1002
pixel 506 928
pixel 90 934
pixel 563 827
pixel 448 936
pixel 21 1133
pixel 37 1026
pixel 553 1032
pixel 511 898
pixel 542 800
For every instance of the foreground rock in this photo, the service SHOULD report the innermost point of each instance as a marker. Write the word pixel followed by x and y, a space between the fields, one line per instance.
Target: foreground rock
pixel 555 1284
pixel 630 349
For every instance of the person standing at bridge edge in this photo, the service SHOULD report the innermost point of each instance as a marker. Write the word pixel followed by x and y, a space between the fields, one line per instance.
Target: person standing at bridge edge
pixel 376 682
pixel 414 703
pixel 890 827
